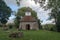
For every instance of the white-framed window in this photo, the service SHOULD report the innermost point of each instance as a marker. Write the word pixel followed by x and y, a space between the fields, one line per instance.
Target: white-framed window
pixel 28 13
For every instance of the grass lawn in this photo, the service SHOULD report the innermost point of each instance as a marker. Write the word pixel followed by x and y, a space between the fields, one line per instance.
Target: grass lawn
pixel 31 35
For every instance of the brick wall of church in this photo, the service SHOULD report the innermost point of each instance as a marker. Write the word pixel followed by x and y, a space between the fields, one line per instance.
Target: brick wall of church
pixel 33 25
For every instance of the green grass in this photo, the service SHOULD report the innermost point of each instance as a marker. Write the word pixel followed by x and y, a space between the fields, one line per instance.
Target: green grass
pixel 31 35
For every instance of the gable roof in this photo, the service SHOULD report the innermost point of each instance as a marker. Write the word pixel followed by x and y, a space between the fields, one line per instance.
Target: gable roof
pixel 28 19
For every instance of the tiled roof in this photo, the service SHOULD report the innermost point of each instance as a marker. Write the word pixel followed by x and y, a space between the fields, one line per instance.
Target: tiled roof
pixel 28 19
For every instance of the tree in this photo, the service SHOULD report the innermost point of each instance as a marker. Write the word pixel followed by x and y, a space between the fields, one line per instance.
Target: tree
pixel 17 21
pixel 55 12
pixel 39 24
pixel 5 12
pixel 21 12
pixel 41 2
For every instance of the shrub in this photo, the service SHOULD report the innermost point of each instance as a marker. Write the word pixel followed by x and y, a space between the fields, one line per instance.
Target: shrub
pixel 16 35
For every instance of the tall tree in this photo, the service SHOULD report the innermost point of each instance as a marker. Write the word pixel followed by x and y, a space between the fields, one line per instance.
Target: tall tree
pixel 55 12
pixel 39 24
pixel 21 12
pixel 5 12
pixel 17 21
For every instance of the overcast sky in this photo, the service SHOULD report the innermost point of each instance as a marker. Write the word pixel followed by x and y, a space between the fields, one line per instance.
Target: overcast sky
pixel 42 15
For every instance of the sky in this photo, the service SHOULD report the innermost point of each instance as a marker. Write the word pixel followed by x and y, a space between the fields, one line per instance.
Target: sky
pixel 42 15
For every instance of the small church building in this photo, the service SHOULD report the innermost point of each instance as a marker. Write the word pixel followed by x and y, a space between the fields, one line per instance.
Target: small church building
pixel 28 22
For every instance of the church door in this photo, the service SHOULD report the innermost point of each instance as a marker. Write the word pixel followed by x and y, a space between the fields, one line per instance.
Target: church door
pixel 28 26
